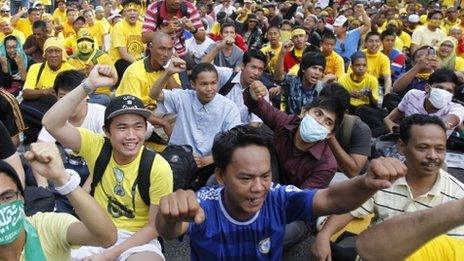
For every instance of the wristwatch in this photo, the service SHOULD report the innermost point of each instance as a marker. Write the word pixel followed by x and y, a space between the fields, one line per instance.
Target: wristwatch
pixel 86 87
pixel 71 185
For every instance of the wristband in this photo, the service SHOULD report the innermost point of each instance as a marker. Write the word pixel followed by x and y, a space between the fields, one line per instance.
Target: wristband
pixel 86 87
pixel 71 185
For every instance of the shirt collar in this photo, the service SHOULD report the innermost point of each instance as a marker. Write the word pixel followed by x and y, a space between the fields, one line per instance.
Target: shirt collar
pixel 198 106
pixel 436 188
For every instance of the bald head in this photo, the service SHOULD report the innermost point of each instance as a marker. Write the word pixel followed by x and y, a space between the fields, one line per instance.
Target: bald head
pixel 159 36
pixel 161 48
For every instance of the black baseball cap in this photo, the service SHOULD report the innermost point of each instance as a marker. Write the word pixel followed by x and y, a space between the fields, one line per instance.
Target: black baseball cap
pixel 126 104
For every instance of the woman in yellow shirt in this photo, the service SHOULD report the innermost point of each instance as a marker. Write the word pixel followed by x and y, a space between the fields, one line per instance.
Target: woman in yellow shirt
pixel 446 52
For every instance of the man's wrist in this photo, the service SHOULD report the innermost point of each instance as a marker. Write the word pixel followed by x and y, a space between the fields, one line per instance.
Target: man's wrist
pixel 87 86
pixel 194 31
pixel 63 179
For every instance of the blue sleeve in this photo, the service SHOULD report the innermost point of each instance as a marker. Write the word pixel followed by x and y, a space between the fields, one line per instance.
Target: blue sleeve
pixel 298 203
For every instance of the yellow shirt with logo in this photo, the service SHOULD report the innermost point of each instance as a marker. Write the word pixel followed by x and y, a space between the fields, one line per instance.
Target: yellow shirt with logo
pixel 444 248
pixel 47 78
pixel 137 81
pixel 368 81
pixel 273 54
pixel 161 183
pixel 334 64
pixel 25 26
pixel 126 35
pixel 52 230
pixel 86 66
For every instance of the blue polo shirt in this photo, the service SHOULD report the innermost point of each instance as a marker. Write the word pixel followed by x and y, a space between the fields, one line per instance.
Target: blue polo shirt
pixel 221 237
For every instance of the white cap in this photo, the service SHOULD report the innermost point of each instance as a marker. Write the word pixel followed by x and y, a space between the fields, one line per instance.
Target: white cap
pixel 5 7
pixel 413 18
pixel 340 20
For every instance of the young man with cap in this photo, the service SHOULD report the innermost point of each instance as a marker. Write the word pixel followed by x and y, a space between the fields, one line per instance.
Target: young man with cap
pixel 245 218
pixel 125 127
pixel 88 55
pixel 347 41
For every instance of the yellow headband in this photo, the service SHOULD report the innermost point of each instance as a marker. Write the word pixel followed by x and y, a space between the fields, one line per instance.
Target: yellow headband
pixel 298 31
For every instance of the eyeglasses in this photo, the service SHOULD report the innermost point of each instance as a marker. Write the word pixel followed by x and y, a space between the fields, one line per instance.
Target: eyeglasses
pixel 9 196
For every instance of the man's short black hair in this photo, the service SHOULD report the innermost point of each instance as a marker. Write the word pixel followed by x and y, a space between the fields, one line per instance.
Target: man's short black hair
pixel 32 9
pixel 418 119
pixel 68 80
pixel 444 75
pixel 328 36
pixel 433 12
pixel 388 32
pixel 202 67
pixel 337 91
pixel 228 24
pixel 225 143
pixel 423 47
pixel 127 2
pixel 81 18
pixel 331 104
pixel 310 59
pixel 39 24
pixel 254 53
pixel 10 172
pixel 370 34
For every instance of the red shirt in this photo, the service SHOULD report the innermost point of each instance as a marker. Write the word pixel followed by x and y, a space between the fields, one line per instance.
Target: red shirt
pixel 305 169
pixel 290 60
pixel 238 41
pixel 151 17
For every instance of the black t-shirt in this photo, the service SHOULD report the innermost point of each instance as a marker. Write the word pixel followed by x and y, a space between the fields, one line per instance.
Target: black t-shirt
pixel 7 147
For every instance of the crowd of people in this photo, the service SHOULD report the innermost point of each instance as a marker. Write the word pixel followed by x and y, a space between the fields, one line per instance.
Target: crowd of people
pixel 247 125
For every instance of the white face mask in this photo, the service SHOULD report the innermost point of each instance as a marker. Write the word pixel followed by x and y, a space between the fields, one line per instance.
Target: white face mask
pixel 439 98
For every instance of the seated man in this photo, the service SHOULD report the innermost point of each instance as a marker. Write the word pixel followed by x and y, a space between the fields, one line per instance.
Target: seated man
pixel 34 46
pixel 396 57
pixel 115 164
pixel 49 236
pixel 301 140
pixel 246 217
pixel 423 143
pixel 378 64
pixel 201 113
pixel 225 53
pixel 435 100
pixel 290 55
pixel 334 65
pixel 423 239
pixel 85 57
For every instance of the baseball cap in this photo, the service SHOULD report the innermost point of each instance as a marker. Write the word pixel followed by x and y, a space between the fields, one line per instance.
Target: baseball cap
pixel 5 8
pixel 413 18
pixel 340 21
pixel 99 8
pixel 126 104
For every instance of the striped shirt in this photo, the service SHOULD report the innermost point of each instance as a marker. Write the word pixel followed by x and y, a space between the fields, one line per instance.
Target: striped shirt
pixel 151 18
pixel 398 199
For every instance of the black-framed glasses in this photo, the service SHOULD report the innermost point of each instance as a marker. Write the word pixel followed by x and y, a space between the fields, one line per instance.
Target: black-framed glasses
pixel 9 196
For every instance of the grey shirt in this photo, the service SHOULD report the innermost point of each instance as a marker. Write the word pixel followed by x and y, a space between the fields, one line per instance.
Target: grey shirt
pixel 232 61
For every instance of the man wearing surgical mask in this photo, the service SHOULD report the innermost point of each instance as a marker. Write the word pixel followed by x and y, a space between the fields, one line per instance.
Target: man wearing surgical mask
pixel 300 140
pixel 85 57
pixel 435 100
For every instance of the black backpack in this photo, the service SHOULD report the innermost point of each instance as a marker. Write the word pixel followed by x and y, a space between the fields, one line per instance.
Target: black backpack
pixel 159 19
pixel 184 168
pixel 143 176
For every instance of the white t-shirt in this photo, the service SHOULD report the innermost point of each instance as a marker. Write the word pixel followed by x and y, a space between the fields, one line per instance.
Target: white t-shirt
pixel 94 121
pixel 196 49
pixel 229 10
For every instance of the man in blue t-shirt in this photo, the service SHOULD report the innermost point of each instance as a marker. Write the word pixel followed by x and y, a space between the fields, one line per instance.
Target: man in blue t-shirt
pixel 245 218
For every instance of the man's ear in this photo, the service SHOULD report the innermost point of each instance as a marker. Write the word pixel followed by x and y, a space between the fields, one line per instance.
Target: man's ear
pixel 219 176
pixel 106 131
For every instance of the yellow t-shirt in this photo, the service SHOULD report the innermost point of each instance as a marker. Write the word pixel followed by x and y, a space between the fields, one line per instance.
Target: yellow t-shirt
pixel 398 43
pixel 459 64
pixel 137 81
pixel 406 39
pixel 70 43
pixel 443 248
pixel 275 54
pixel 81 65
pixel 106 24
pixel 60 16
pixel 25 26
pixel 46 78
pixel 161 182
pixel 125 35
pixel 98 30
pixel 19 35
pixel 68 30
pixel 378 64
pixel 368 81
pixel 52 230
pixel 334 64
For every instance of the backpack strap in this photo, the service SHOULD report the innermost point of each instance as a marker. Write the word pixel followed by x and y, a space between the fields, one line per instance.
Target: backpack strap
pixel 228 85
pixel 42 67
pixel 100 165
pixel 348 124
pixel 143 178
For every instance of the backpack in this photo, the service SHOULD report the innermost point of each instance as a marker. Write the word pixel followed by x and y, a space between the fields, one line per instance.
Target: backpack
pixel 143 176
pixel 159 19
pixel 347 128
pixel 184 168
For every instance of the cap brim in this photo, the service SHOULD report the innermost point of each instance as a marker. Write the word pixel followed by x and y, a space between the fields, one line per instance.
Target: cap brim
pixel 145 113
